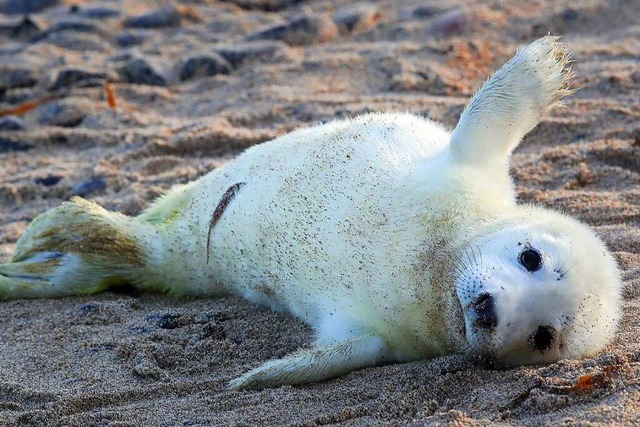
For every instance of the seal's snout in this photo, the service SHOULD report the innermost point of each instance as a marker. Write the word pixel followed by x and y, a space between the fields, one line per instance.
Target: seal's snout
pixel 484 307
pixel 543 338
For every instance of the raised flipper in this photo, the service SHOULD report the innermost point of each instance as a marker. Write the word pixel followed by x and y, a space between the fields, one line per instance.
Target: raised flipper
pixel 317 364
pixel 511 102
pixel 79 248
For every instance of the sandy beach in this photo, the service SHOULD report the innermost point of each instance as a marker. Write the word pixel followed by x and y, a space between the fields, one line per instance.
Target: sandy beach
pixel 118 100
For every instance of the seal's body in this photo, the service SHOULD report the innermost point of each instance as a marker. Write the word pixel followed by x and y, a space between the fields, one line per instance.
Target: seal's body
pixel 393 238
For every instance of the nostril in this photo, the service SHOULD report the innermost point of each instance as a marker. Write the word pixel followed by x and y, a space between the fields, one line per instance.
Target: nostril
pixel 543 338
pixel 484 307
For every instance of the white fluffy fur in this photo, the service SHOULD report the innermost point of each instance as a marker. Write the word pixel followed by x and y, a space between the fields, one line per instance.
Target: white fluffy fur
pixel 381 231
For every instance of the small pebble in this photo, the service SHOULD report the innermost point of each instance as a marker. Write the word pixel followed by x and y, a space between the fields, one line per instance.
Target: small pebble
pixel 97 183
pixel 12 77
pixel 88 308
pixel 75 26
pixel 164 320
pixel 8 145
pixel 21 7
pixel 132 38
pixel 300 30
pixel 453 22
pixel 139 71
pixel 263 51
pixel 68 77
pixel 265 5
pixel 356 17
pixel 49 180
pixel 569 14
pixel 76 41
pixel 11 123
pixel 164 17
pixel 99 12
pixel 168 321
pixel 213 331
pixel 425 11
pixel 204 66
pixel 26 28
pixel 64 112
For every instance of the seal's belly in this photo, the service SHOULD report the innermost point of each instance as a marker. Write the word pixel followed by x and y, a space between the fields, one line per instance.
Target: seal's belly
pixel 314 221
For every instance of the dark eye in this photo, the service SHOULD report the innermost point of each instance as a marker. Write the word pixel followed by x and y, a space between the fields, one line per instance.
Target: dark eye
pixel 530 259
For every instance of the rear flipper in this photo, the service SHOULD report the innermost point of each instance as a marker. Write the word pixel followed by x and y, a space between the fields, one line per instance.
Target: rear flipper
pixel 317 364
pixel 79 248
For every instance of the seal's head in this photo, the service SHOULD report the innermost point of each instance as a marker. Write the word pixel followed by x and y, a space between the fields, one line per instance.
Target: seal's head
pixel 538 288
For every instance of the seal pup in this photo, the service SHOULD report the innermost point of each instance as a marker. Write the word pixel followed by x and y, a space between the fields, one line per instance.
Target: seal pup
pixel 393 238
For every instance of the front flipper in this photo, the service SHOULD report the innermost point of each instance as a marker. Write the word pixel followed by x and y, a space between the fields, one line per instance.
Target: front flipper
pixel 316 364
pixel 511 102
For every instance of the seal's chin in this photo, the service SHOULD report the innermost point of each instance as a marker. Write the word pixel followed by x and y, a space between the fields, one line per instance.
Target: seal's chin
pixel 498 349
pixel 499 343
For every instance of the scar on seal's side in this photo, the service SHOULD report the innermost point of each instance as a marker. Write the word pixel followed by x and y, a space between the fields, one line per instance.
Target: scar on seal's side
pixel 393 238
pixel 227 197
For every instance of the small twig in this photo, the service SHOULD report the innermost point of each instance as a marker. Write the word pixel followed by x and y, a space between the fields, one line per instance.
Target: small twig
pixel 111 95
pixel 23 108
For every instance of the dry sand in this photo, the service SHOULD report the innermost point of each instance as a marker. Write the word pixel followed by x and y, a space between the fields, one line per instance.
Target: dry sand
pixel 122 359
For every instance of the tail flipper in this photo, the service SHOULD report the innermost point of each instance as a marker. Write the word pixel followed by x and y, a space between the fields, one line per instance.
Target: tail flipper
pixel 511 102
pixel 79 248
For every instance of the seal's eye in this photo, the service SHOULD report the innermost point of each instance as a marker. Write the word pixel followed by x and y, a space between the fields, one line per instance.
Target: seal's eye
pixel 530 259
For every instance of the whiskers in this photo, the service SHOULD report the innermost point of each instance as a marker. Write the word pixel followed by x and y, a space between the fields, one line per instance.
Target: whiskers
pixel 562 269
pixel 574 335
pixel 470 271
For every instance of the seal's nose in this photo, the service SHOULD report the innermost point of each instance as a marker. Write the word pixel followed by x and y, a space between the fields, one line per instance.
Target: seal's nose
pixel 484 307
pixel 542 339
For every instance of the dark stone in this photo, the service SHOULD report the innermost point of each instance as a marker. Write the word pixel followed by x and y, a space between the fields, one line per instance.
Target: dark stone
pixel 49 181
pixel 168 321
pixel 204 66
pixel 213 331
pixel 88 308
pixel 12 77
pixel 97 183
pixel 131 38
pixel 569 14
pixel 75 26
pixel 238 54
pixel 78 42
pixel 425 11
pixel 11 123
pixel 358 16
pixel 7 145
pixel 455 21
pixel 300 30
pixel 74 9
pixel 21 7
pixel 25 29
pixel 164 320
pixel 164 17
pixel 70 76
pixel 99 12
pixel 139 71
pixel 65 113
pixel 266 5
